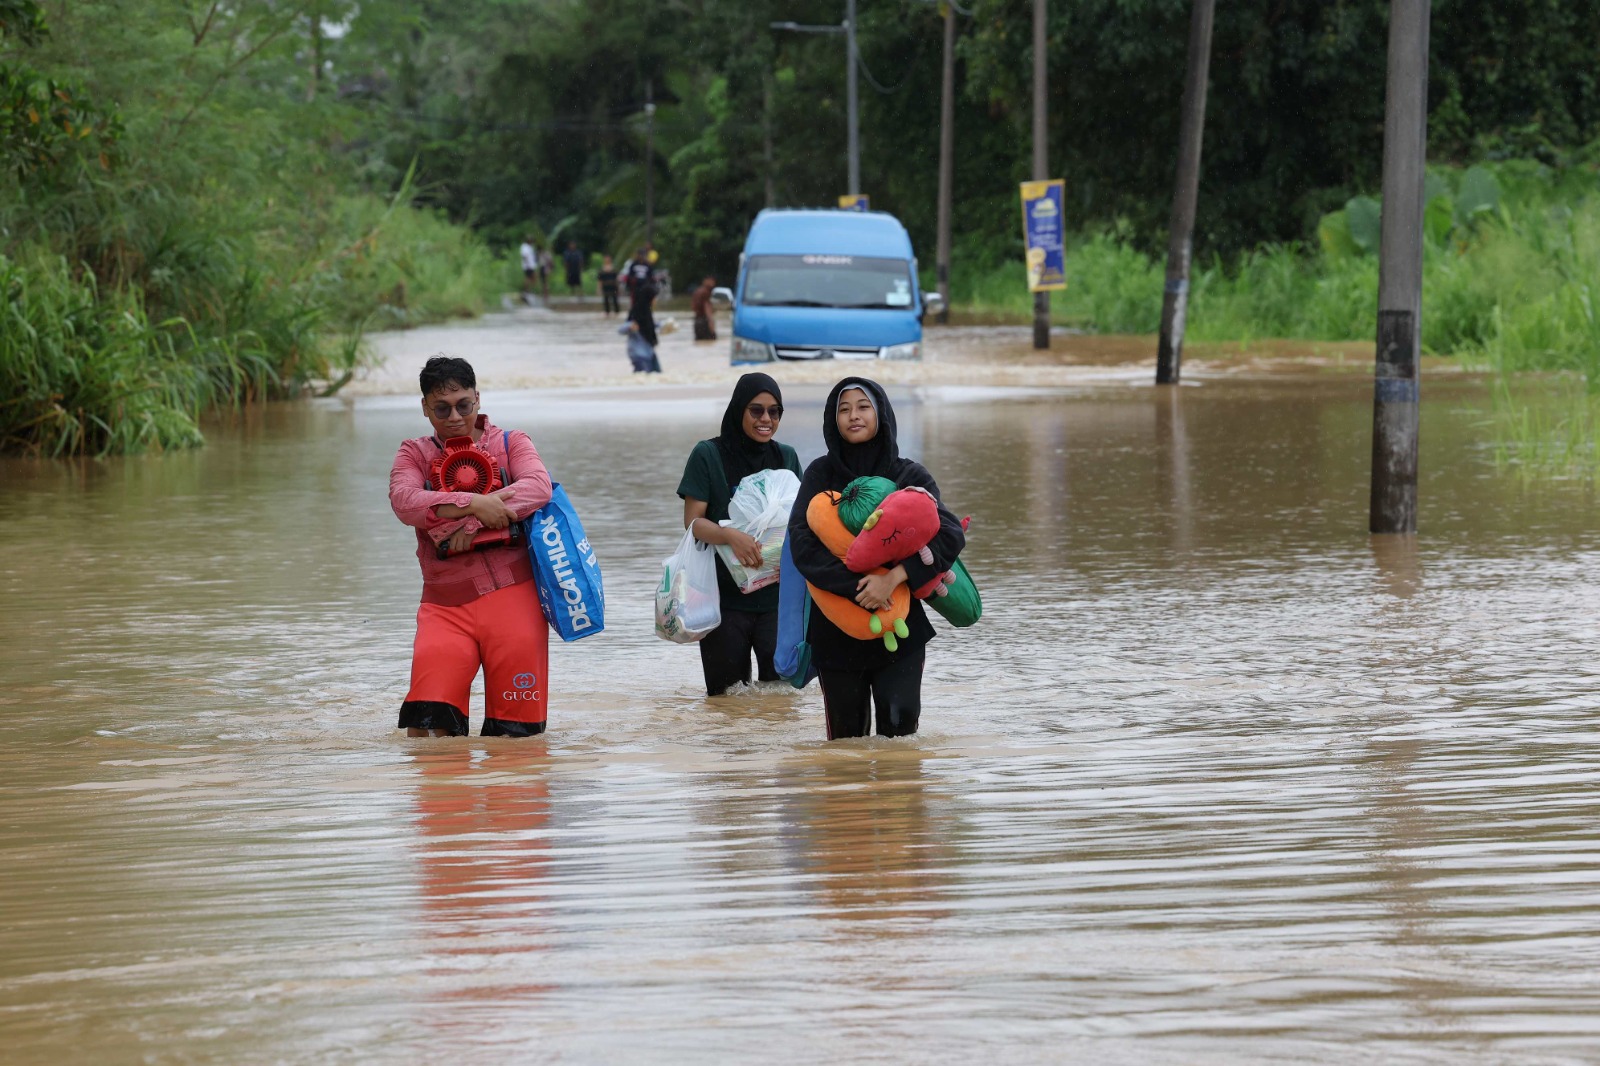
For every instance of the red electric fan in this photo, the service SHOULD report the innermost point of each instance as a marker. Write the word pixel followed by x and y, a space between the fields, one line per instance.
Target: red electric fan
pixel 465 467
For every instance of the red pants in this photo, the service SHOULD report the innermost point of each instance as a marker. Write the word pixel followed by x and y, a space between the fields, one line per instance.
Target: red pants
pixel 505 633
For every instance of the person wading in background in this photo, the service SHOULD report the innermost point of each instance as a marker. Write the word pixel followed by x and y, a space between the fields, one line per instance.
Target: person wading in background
pixel 705 327
pixel 606 280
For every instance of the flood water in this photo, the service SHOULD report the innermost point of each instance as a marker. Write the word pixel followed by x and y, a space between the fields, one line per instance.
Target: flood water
pixel 1219 778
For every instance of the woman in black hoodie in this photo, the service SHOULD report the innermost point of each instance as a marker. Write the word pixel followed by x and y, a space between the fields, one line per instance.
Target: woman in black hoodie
pixel 857 676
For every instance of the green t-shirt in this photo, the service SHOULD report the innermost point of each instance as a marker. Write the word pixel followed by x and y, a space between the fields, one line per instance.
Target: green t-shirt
pixel 704 479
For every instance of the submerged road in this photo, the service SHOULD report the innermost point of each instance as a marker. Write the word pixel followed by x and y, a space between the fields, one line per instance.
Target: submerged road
pixel 1217 779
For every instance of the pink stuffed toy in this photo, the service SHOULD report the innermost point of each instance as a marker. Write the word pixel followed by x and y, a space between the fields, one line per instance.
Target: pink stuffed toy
pixel 901 527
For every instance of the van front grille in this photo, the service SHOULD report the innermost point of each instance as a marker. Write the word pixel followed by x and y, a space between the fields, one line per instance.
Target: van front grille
pixel 812 351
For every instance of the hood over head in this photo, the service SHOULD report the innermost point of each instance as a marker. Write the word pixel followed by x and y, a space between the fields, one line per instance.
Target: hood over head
pixel 877 457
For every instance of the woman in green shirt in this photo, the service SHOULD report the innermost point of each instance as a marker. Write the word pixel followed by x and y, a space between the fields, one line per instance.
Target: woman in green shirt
pixel 715 468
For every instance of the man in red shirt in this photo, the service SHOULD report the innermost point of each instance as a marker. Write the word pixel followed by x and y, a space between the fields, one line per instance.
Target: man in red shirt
pixel 479 608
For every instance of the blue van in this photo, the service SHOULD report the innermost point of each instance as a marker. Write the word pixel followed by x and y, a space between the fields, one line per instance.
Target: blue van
pixel 827 284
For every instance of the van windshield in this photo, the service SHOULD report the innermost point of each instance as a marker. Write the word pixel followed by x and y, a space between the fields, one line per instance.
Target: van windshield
pixel 827 281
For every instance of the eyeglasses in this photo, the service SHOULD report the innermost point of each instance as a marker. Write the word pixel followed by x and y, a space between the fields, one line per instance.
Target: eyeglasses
pixel 773 410
pixel 441 411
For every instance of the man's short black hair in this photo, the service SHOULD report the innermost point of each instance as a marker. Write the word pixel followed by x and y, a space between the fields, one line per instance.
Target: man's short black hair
pixel 443 372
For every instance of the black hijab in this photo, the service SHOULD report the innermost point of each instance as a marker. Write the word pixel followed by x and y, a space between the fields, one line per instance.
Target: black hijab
pixel 639 312
pixel 742 456
pixel 879 456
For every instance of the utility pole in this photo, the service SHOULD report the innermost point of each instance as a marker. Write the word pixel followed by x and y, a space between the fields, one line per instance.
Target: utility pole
pixel 947 164
pixel 853 136
pixel 1185 196
pixel 1041 162
pixel 649 164
pixel 851 99
pixel 1395 379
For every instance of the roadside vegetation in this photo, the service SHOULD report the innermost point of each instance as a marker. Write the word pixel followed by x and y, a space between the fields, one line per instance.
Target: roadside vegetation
pixel 1511 275
pixel 175 236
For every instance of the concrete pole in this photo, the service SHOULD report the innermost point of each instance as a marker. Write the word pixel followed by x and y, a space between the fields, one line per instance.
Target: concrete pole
pixel 1041 162
pixel 1185 196
pixel 852 98
pixel 947 151
pixel 1395 391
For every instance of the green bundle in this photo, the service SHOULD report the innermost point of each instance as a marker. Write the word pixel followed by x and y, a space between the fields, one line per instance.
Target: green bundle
pixel 961 605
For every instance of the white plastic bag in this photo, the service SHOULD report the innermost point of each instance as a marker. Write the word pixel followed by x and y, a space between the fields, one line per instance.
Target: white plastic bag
pixel 760 507
pixel 687 603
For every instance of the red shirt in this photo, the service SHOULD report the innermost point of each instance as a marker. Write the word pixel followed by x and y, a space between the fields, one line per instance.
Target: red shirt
pixel 463 578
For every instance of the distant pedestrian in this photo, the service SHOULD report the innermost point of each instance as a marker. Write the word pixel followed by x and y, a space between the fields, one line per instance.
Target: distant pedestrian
pixel 640 278
pixel 572 259
pixel 641 313
pixel 705 327
pixel 607 282
pixel 641 353
pixel 530 268
pixel 546 264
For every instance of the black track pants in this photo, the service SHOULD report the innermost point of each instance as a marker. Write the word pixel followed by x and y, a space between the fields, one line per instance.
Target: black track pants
pixel 895 690
pixel 725 651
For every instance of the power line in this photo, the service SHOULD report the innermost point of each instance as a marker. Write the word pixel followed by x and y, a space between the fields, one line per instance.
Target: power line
pixel 904 79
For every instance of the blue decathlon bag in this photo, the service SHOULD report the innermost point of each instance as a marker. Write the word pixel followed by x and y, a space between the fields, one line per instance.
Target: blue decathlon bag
pixel 792 658
pixel 564 568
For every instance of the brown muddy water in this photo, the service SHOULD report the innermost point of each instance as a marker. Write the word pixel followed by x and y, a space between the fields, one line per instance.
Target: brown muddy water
pixel 1217 779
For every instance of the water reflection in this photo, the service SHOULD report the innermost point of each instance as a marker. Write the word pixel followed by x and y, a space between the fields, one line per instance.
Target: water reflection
pixel 1399 563
pixel 862 831
pixel 482 820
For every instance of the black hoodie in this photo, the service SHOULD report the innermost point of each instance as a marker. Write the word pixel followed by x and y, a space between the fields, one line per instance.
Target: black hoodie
pixel 832 649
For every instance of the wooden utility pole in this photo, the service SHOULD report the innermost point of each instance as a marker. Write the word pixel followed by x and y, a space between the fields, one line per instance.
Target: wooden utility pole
pixel 1041 162
pixel 947 151
pixel 1185 196
pixel 1395 385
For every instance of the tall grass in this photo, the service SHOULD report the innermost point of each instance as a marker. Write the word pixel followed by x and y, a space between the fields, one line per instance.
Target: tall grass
pixel 1546 427
pixel 160 317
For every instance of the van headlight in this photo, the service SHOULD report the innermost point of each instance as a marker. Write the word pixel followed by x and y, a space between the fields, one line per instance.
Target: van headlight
pixel 901 351
pixel 749 351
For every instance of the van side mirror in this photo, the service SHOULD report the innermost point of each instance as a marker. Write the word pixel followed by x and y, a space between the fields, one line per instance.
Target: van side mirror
pixel 932 303
pixel 722 296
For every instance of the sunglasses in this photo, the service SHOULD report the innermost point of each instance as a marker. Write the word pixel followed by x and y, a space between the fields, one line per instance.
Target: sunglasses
pixel 773 410
pixel 441 411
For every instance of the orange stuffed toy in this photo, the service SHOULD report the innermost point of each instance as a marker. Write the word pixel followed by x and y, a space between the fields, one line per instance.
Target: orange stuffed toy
pixel 822 515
